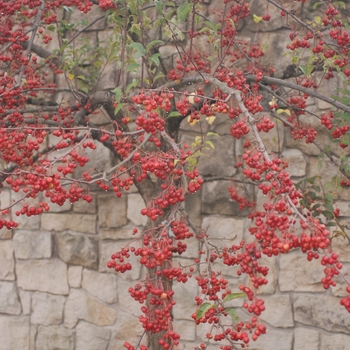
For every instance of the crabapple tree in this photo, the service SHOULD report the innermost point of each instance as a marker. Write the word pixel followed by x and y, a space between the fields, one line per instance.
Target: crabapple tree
pixel 52 81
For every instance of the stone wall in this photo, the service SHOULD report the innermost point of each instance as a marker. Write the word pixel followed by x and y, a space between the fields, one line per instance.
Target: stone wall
pixel 57 293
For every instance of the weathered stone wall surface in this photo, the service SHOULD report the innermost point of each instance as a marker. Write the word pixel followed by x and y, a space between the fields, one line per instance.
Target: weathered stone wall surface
pixel 55 289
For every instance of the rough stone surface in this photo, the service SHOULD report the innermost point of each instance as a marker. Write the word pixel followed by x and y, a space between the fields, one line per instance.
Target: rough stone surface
pixel 323 312
pixel 77 249
pixel 25 298
pixel 274 340
pixel 109 248
pixel 7 261
pixel 54 338
pixel 296 162
pixel 216 199
pixel 82 306
pixel 9 301
pixel 306 339
pixel 84 207
pixel 223 228
pixel 92 282
pixel 298 274
pixel 42 275
pixel 126 327
pixel 124 232
pixel 187 329
pixel 112 211
pixel 90 337
pixel 185 303
pixel 278 311
pixel 14 331
pixel 74 276
pixel 125 302
pixel 337 341
pixel 75 222
pixel 135 204
pixel 47 309
pixel 32 244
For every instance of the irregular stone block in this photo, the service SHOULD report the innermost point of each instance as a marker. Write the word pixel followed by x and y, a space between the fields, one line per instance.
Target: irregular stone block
pixel 273 340
pixel 185 302
pixel 32 244
pixel 77 249
pixel 124 232
pixel 82 306
pixel 92 282
pixel 25 298
pixel 296 162
pixel 298 274
pixel 284 317
pixel 74 276
pixel 42 275
pixel 323 312
pixel 187 329
pixel 135 204
pixel 216 199
pixel 223 228
pixel 90 337
pixel 14 331
pixel 25 222
pixel 112 211
pixel 109 248
pixel 306 339
pixel 7 261
pixel 75 222
pixel 47 309
pixel 55 338
pixel 9 301
pixel 126 327
pixel 336 341
pixel 84 207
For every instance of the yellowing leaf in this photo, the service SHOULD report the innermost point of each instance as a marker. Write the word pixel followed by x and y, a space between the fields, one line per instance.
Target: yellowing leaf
pixel 210 119
pixel 256 18
pixel 191 98
pixel 280 111
pixel 70 76
pixel 193 122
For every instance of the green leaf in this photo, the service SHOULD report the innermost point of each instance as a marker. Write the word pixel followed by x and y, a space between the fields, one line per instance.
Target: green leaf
pixel 327 214
pixel 51 28
pixel 81 77
pixel 209 143
pixel 232 312
pixel 329 197
pixel 233 296
pixel 159 6
pixel 132 66
pixel 119 107
pixel 174 114
pixel 152 43
pixel 203 309
pixel 138 47
pixel 183 10
pixel 118 93
pixel 133 84
pixel 158 76
pixel 155 58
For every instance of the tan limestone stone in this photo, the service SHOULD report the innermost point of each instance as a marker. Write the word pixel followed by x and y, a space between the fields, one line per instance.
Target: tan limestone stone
pixel 54 338
pixel 84 207
pixel 14 332
pixel 92 282
pixel 306 339
pixel 25 222
pixel 127 328
pixel 47 309
pixel 336 341
pixel 7 262
pixel 74 276
pixel 109 248
pixel 91 337
pixel 185 302
pixel 25 298
pixel 278 311
pixel 32 244
pixel 9 301
pixel 124 232
pixel 187 329
pixel 112 211
pixel 82 306
pixel 296 162
pixel 323 312
pixel 135 204
pixel 125 301
pixel 42 275
pixel 75 222
pixel 78 249
pixel 298 274
pixel 273 340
